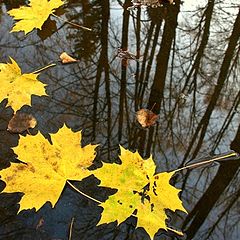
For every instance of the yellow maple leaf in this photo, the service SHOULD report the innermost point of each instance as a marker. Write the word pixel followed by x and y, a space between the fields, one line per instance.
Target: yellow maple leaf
pixel 138 188
pixel 48 166
pixel 34 15
pixel 18 87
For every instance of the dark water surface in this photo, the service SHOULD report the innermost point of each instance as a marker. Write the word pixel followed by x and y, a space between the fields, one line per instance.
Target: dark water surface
pixel 188 70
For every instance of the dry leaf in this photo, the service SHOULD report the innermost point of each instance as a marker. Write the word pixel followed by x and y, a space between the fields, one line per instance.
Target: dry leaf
pixel 146 117
pixel 65 58
pixel 149 3
pixel 124 54
pixel 40 223
pixel 21 122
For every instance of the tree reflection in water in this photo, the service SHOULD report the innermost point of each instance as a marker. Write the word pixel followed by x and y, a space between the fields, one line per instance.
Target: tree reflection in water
pixel 187 69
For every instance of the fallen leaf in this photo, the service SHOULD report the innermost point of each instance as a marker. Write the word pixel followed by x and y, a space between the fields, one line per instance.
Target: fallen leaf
pixel 47 167
pixel 21 122
pixel 65 58
pixel 124 54
pixel 146 117
pixel 149 3
pixel 33 15
pixel 40 223
pixel 18 87
pixel 138 188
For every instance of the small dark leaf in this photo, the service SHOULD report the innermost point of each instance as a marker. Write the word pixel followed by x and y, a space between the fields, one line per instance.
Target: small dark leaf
pixel 40 223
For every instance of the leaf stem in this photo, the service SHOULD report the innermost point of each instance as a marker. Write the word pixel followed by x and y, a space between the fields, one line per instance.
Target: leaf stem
pixel 84 194
pixel 175 231
pixel 70 229
pixel 73 24
pixel 44 68
pixel 152 106
pixel 199 164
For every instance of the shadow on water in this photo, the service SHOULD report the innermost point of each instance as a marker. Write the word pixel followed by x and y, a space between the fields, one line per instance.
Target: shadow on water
pixel 186 69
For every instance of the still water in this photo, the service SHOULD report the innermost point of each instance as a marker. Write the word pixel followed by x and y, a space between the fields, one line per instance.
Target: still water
pixel 186 70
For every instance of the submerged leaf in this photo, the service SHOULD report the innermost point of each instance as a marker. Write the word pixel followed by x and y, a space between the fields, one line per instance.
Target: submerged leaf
pixel 34 15
pixel 18 87
pixel 124 54
pixel 138 189
pixel 47 166
pixel 146 117
pixel 149 3
pixel 40 223
pixel 21 122
pixel 65 58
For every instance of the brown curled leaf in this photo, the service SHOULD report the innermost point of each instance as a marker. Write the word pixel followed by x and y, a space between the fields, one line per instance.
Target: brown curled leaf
pixel 146 117
pixel 40 223
pixel 21 122
pixel 125 54
pixel 65 58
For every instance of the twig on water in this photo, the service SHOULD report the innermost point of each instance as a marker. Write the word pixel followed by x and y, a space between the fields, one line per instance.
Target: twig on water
pixel 70 229
pixel 199 164
pixel 71 23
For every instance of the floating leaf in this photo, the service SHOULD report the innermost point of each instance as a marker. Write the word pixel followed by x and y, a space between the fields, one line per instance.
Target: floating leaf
pixel 47 166
pixel 40 223
pixel 138 188
pixel 34 15
pixel 149 3
pixel 124 54
pixel 146 117
pixel 18 87
pixel 65 58
pixel 21 122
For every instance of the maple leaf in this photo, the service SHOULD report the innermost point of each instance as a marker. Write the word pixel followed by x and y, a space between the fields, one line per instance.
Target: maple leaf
pixel 17 86
pixel 34 15
pixel 138 188
pixel 47 166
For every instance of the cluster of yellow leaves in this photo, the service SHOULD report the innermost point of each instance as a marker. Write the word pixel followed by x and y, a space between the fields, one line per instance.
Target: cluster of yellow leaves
pixel 47 168
pixel 34 15
pixel 19 87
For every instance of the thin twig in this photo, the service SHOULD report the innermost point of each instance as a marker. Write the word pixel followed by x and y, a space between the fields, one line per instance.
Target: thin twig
pixel 152 106
pixel 73 24
pixel 84 194
pixel 206 162
pixel 70 229
pixel 44 68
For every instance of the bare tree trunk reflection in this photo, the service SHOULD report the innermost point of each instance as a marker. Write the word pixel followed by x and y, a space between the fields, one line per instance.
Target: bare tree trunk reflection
pixel 224 71
pixel 125 27
pixel 224 176
pixel 194 70
pixel 163 56
pixel 103 67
